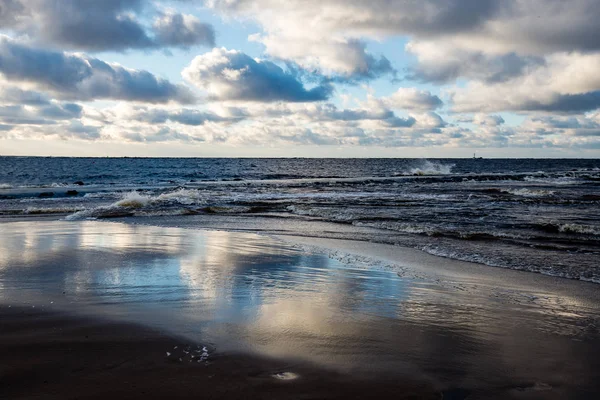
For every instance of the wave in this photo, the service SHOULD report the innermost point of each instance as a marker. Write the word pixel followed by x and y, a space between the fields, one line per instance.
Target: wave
pixel 524 192
pixel 547 269
pixel 51 210
pixel 430 168
pixel 5 186
pixel 579 229
pixel 570 228
pixel 136 203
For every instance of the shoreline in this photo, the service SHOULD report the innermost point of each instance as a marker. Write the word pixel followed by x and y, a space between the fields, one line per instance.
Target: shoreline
pixel 339 234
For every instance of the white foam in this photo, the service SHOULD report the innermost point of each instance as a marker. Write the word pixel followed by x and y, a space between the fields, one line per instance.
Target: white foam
pixel 525 192
pixel 133 200
pixel 5 186
pixel 577 228
pixel 431 168
pixel 138 201
pixel 51 210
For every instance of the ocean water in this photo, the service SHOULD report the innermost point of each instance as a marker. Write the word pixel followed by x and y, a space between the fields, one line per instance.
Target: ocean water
pixel 539 215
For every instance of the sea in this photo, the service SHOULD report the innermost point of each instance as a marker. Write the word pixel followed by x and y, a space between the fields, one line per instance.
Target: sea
pixel 537 215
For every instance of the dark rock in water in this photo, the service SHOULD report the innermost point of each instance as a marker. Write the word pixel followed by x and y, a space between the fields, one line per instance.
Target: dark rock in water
pixel 78 183
pixel 455 394
pixel 72 192
pixel 46 195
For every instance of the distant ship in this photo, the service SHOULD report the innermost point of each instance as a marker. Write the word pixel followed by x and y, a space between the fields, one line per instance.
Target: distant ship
pixel 476 158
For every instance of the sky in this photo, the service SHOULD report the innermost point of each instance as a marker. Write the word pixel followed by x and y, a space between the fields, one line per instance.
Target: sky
pixel 300 78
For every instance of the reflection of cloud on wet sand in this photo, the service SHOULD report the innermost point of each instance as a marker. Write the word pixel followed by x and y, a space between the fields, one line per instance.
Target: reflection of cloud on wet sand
pixel 27 242
pixel 244 291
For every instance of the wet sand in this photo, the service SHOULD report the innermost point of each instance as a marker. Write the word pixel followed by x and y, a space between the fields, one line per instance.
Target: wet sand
pixel 51 355
pixel 351 319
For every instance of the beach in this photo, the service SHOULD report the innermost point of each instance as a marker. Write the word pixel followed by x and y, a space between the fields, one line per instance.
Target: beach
pixel 52 355
pixel 344 319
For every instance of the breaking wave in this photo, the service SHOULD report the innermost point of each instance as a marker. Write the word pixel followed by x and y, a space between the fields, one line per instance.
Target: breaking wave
pixel 580 229
pixel 427 167
pixel 136 203
pixel 524 192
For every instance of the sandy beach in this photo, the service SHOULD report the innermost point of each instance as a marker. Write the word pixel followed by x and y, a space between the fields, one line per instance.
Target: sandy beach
pixel 91 309
pixel 52 355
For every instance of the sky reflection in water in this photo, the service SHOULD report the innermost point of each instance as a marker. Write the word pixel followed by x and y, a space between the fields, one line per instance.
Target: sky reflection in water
pixel 254 293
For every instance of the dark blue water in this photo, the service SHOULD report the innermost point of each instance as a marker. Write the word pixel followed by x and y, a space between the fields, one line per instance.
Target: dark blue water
pixel 530 214
pixel 48 171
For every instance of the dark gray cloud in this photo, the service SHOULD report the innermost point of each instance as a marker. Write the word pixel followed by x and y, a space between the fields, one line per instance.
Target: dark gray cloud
pixel 566 103
pixel 15 95
pixel 80 131
pixel 397 122
pixel 577 126
pixel 10 10
pixel 61 111
pixel 77 77
pixel 532 26
pixel 446 64
pixel 183 116
pixel 44 114
pixel 89 24
pixel 19 115
pixel 425 17
pixel 179 30
pixel 93 25
pixel 233 75
pixel 366 65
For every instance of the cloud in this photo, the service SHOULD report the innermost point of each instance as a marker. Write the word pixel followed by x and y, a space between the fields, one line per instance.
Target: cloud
pixel 79 130
pixel 329 112
pixel 19 115
pixel 506 34
pixel 573 127
pixel 233 75
pixel 10 10
pixel 565 83
pixel 488 120
pixel 181 116
pixel 40 114
pixel 16 95
pixel 441 62
pixel 344 60
pixel 74 76
pixel 173 29
pixel 412 99
pixel 107 25
pixel 305 33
